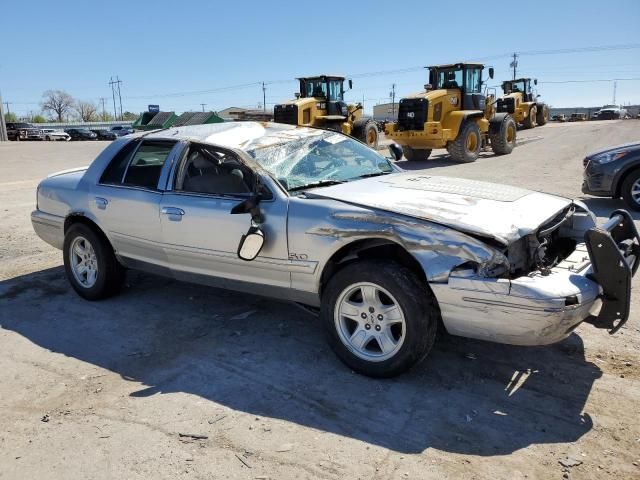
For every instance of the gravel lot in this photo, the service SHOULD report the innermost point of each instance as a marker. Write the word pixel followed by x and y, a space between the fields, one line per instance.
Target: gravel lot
pixel 172 380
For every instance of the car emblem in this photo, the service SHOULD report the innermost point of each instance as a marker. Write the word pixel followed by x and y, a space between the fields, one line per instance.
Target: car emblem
pixel 411 114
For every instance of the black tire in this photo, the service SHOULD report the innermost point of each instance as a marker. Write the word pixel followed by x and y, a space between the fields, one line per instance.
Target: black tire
pixel 459 149
pixel 504 141
pixel 366 130
pixel 530 119
pixel 110 274
pixel 625 189
pixel 542 115
pixel 416 154
pixel 417 304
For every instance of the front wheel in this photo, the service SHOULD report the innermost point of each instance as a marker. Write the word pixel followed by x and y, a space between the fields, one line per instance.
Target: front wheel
pixel 90 264
pixel 379 317
pixel 504 141
pixel 466 147
pixel 542 115
pixel 530 120
pixel 630 190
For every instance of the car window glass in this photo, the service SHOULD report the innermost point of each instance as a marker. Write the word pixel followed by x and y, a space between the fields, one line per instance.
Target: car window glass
pixel 146 164
pixel 114 172
pixel 211 171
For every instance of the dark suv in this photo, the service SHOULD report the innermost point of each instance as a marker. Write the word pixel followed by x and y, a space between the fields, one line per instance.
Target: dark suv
pixel 614 172
pixel 23 131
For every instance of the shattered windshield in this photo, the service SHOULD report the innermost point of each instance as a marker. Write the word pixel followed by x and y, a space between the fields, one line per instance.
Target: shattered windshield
pixel 316 160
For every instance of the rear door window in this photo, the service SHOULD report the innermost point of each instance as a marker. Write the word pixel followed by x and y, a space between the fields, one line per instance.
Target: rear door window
pixel 146 164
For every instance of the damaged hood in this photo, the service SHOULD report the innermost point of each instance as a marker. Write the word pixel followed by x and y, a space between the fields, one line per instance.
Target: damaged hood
pixel 501 212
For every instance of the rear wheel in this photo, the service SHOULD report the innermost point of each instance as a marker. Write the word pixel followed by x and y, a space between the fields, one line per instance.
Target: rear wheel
pixel 379 317
pixel 90 264
pixel 466 147
pixel 503 142
pixel 530 119
pixel 542 116
pixel 416 154
pixel 630 190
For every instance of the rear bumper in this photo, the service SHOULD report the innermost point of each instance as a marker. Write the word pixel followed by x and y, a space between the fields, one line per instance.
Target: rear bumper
pixel 49 228
pixel 593 284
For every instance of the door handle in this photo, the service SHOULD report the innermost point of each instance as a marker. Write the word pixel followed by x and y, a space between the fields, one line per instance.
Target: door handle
pixel 101 203
pixel 172 211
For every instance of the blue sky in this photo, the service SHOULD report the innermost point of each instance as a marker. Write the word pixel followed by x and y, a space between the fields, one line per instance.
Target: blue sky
pixel 179 47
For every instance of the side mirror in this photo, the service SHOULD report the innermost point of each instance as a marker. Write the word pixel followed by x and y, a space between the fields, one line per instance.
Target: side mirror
pixel 535 81
pixel 350 84
pixel 490 72
pixel 251 243
pixel 250 205
pixel 297 95
pixel 396 151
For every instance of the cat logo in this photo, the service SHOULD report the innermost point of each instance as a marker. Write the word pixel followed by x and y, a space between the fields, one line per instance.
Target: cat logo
pixel 453 100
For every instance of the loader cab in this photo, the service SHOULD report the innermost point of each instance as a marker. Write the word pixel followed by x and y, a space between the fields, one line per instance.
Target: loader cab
pixel 466 77
pixel 328 90
pixel 519 85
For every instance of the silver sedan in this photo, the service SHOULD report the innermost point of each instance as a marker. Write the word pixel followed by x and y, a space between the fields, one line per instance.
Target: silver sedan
pixel 318 218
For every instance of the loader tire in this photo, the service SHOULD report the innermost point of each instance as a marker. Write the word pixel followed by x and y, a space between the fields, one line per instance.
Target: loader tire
pixel 504 141
pixel 542 116
pixel 530 120
pixel 466 147
pixel 416 154
pixel 366 131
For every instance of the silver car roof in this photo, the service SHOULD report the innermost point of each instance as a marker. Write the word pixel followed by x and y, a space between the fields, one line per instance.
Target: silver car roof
pixel 238 135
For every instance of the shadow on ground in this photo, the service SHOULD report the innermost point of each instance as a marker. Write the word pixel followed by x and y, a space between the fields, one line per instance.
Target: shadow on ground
pixel 270 359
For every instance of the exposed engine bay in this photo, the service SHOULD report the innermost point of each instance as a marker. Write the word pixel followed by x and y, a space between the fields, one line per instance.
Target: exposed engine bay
pixel 550 244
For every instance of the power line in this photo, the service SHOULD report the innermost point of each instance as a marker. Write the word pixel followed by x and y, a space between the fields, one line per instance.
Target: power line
pixel 598 80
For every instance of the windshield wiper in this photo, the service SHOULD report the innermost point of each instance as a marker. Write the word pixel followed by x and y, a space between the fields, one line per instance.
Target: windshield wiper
pixel 376 174
pixel 322 183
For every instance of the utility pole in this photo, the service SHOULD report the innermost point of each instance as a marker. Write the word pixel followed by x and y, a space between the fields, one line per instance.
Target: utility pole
pixel 3 126
pixel 7 104
pixel 615 86
pixel 392 94
pixel 115 88
pixel 203 105
pixel 514 64
pixel 113 96
pixel 264 97
pixel 104 114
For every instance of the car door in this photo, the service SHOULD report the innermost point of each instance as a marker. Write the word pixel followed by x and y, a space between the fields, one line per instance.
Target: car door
pixel 201 236
pixel 126 200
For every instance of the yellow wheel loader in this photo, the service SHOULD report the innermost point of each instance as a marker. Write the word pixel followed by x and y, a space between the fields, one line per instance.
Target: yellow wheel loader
pixel 453 113
pixel 519 101
pixel 320 103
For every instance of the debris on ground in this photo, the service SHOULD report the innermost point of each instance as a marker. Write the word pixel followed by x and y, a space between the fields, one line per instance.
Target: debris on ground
pixel 570 461
pixel 45 418
pixel 192 436
pixel 243 461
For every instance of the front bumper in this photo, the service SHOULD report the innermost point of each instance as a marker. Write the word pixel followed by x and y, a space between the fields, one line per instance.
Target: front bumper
pixel 597 179
pixel 593 284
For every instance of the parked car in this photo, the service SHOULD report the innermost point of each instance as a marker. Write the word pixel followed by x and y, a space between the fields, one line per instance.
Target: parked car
pixel 594 116
pixel 316 217
pixel 23 131
pixel 52 134
pixel 559 118
pixel 578 117
pixel 614 172
pixel 104 134
pixel 81 134
pixel 122 130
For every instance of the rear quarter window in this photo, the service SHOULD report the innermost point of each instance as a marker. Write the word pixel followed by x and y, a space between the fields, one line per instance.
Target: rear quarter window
pixel 115 170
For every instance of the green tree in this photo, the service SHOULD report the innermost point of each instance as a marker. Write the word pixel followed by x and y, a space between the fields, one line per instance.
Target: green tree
pixel 38 119
pixel 130 116
pixel 105 116
pixel 10 117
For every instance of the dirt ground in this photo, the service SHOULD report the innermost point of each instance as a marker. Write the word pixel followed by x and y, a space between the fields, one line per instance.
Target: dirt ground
pixel 172 380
